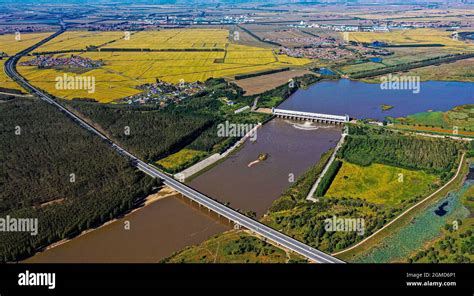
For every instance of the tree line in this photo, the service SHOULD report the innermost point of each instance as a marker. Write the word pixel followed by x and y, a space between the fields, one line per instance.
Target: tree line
pixel 365 146
pixel 327 179
pixel 150 134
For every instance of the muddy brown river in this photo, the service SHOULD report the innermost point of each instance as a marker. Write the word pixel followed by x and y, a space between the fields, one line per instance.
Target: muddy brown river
pixel 292 148
pixel 156 232
pixel 173 223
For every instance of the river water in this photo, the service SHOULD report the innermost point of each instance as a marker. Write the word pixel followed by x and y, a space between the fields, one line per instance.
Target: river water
pixel 292 148
pixel 171 224
pixel 156 232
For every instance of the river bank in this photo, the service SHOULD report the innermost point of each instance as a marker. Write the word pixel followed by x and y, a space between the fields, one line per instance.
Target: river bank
pixel 164 224
pixel 162 193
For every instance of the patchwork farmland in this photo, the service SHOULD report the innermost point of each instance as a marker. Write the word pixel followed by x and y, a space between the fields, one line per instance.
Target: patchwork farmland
pixel 9 45
pixel 176 55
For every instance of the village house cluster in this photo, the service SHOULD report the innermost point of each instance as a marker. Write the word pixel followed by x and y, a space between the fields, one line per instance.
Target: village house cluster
pixel 48 61
pixel 12 29
pixel 335 51
pixel 328 48
pixel 326 53
pixel 164 93
pixel 382 26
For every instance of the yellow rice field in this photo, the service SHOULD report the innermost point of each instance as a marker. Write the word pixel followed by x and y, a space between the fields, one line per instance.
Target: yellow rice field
pixel 5 81
pixel 79 40
pixel 11 46
pixel 123 71
pixel 175 39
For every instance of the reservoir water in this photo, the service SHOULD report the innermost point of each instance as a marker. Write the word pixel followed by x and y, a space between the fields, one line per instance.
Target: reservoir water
pixel 363 100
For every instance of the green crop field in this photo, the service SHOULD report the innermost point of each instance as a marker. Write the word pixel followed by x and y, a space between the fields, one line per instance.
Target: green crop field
pixel 460 116
pixel 180 160
pixel 380 184
pixel 428 118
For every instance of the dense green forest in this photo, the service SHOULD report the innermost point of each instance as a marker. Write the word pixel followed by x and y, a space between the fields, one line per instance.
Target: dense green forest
pixel 366 145
pixel 59 173
pixel 152 133
pixel 149 134
pixel 306 222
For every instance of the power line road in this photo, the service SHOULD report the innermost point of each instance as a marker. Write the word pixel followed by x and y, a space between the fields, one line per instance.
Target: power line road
pixel 221 209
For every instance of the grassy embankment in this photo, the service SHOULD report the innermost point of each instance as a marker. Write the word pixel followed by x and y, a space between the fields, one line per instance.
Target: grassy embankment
pixel 456 242
pixel 353 252
pixel 234 246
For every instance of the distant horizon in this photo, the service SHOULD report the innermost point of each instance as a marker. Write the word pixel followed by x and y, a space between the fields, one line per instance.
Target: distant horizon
pixel 324 2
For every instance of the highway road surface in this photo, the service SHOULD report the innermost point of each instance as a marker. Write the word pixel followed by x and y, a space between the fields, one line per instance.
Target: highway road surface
pixel 221 209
